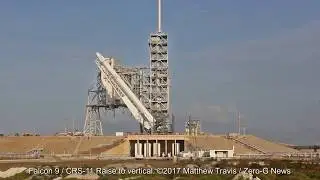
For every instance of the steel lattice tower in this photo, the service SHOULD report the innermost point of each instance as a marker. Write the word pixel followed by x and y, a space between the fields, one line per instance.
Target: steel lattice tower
pixel 98 103
pixel 96 100
pixel 159 104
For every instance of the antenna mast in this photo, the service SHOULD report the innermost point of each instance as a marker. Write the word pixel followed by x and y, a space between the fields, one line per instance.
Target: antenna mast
pixel 159 15
pixel 239 123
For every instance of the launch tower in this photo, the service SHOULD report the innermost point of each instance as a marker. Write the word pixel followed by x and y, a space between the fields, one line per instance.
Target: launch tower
pixel 144 93
pixel 159 100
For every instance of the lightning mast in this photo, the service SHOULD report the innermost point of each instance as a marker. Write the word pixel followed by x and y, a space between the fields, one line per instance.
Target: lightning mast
pixel 159 89
pixel 239 124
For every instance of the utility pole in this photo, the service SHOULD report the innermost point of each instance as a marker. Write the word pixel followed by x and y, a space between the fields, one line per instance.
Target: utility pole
pixel 73 130
pixel 239 124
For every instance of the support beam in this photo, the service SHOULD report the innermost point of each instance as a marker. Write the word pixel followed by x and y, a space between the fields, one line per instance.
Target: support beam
pixel 147 144
pixel 166 147
pixel 139 150
pixel 157 149
pixel 145 149
pixel 178 148
pixel 175 147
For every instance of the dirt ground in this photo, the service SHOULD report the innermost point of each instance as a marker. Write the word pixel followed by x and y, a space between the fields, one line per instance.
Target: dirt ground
pixel 4 165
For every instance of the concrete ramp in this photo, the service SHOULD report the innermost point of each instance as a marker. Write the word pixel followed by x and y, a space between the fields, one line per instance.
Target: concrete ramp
pixel 122 149
pixel 208 142
pixel 262 145
pixel 103 148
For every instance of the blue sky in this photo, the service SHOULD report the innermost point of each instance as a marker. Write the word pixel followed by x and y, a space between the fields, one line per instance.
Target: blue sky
pixel 257 57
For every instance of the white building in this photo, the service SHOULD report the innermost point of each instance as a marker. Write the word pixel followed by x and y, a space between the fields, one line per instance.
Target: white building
pixel 222 153
pixel 212 153
pixel 119 133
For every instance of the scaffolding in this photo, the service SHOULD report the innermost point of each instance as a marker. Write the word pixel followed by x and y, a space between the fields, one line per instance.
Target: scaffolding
pixel 192 127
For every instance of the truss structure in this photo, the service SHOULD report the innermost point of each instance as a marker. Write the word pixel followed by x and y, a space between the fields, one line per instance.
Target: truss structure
pixel 159 92
pixel 192 127
pixel 98 102
pixel 159 81
pixel 143 91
